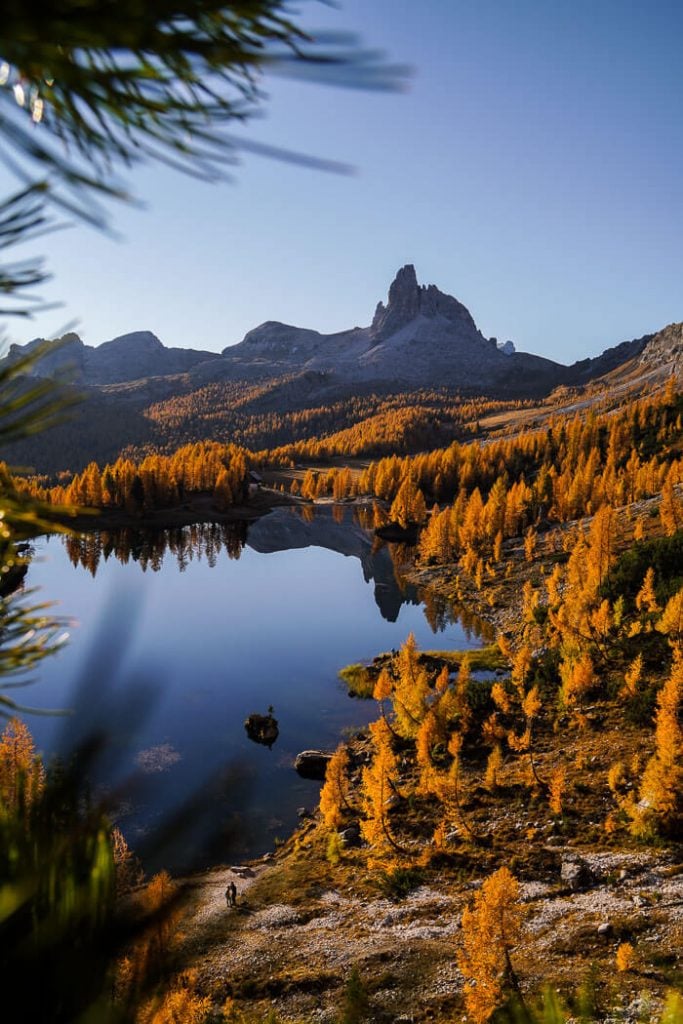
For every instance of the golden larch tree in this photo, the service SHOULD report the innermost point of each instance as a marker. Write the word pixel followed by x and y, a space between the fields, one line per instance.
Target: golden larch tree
pixel 449 787
pixel 428 736
pixel 646 598
pixel 578 678
pixel 334 795
pixel 408 507
pixel 22 776
pixel 661 788
pixel 379 790
pixel 632 678
pixel 670 509
pixel 491 929
pixel 383 689
pixel 671 622
pixel 410 691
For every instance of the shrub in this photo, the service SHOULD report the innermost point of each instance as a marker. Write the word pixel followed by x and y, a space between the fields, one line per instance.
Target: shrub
pixel 664 555
pixel 399 882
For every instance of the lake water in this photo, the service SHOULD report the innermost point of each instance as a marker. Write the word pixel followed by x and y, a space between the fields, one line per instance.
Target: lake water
pixel 178 636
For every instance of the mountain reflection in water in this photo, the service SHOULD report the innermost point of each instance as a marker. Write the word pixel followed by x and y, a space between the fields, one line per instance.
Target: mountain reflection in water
pixel 338 529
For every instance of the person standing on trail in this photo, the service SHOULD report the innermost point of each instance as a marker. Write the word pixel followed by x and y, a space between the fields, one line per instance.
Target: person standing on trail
pixel 231 895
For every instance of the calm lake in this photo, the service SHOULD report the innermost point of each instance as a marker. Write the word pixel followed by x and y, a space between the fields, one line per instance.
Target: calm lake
pixel 178 636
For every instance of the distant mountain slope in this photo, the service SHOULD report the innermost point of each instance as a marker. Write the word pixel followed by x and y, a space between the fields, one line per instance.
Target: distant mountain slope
pixel 126 358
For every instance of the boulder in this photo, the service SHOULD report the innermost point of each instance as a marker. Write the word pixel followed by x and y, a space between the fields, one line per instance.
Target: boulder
pixel 242 871
pixel 576 874
pixel 312 764
pixel 351 836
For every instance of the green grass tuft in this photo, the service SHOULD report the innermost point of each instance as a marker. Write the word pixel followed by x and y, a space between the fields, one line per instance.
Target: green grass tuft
pixel 359 679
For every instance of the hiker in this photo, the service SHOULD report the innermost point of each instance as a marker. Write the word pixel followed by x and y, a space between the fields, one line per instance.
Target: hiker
pixel 231 895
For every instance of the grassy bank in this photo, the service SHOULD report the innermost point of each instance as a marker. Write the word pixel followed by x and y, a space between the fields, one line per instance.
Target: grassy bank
pixel 360 679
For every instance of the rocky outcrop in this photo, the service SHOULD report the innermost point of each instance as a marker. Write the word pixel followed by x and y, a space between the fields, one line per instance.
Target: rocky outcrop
pixel 278 341
pixel 408 300
pixel 64 356
pixel 611 359
pixel 312 764
pixel 351 835
pixel 664 351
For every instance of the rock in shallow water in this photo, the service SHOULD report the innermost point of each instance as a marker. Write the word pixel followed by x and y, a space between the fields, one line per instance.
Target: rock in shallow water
pixel 312 764
pixel 262 729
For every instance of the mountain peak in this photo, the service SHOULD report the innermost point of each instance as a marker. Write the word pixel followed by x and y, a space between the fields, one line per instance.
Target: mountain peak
pixel 405 282
pixel 408 300
pixel 136 341
pixel 402 307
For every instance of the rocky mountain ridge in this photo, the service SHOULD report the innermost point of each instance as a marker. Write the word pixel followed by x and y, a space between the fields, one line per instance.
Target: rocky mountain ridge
pixel 421 337
pixel 129 357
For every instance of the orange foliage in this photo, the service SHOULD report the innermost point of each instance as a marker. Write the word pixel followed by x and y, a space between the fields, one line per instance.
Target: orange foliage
pixel 410 690
pixel 22 777
pixel 661 789
pixel 625 957
pixel 379 790
pixel 157 481
pixel 490 930
pixel 334 795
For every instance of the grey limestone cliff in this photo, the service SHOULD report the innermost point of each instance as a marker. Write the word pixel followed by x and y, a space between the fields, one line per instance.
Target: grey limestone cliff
pixel 409 300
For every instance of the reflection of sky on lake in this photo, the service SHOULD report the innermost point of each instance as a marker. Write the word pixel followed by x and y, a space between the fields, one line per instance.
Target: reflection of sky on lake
pixel 215 644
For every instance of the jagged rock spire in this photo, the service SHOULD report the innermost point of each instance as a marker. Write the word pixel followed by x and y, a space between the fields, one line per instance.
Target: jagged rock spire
pixel 408 299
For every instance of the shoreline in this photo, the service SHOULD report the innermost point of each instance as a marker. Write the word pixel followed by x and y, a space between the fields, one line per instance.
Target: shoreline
pixel 198 509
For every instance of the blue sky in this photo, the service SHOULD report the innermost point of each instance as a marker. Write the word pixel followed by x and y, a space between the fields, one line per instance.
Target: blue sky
pixel 534 169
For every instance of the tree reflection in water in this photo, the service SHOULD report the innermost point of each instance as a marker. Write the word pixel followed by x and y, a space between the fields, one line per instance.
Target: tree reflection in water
pixel 149 547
